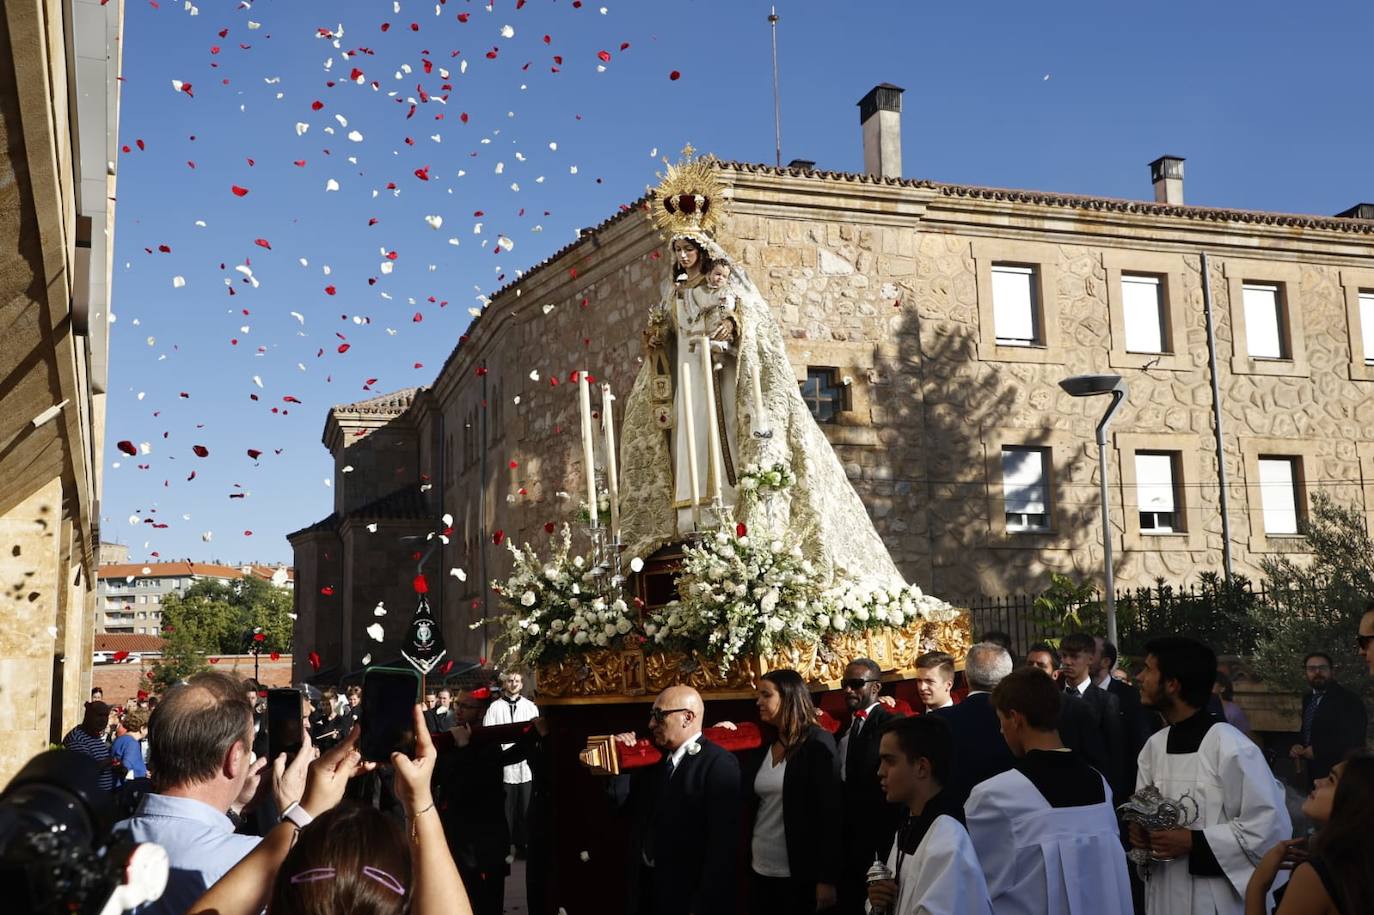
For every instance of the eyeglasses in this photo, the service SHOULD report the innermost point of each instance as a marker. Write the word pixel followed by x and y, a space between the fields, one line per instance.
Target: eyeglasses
pixel 1362 641
pixel 660 715
pixel 856 683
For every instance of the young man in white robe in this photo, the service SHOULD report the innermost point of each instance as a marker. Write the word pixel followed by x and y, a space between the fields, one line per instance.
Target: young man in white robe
pixel 1045 831
pixel 1202 868
pixel 936 870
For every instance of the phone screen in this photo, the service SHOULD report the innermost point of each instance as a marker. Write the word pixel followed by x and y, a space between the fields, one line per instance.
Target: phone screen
pixel 388 716
pixel 284 728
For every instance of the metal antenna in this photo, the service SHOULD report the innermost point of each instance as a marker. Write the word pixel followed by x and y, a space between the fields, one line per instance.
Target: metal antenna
pixel 777 101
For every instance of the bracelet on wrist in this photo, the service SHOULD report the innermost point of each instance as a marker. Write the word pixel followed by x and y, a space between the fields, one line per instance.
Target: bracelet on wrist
pixel 415 822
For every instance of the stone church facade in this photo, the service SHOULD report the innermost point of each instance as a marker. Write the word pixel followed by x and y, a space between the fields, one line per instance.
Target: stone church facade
pixel 929 325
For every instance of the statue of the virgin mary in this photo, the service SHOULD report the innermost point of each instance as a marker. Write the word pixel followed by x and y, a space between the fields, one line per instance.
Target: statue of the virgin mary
pixel 690 430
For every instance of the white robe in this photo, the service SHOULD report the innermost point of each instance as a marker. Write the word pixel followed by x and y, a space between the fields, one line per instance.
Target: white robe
pixel 942 877
pixel 694 318
pixel 500 712
pixel 1242 814
pixel 1044 860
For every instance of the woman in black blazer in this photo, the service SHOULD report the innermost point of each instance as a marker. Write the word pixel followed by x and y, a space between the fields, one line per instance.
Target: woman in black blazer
pixel 794 785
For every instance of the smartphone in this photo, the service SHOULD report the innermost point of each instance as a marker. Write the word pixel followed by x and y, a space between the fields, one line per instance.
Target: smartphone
pixel 284 725
pixel 388 713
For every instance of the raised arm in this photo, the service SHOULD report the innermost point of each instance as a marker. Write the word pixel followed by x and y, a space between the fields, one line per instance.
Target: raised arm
pixel 438 888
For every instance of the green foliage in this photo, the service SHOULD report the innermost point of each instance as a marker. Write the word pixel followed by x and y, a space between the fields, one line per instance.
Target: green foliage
pixel 1068 606
pixel 213 617
pixel 1214 611
pixel 180 659
pixel 1317 605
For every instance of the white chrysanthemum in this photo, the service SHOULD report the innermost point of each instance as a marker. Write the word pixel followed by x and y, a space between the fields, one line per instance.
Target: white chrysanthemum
pixel 527 599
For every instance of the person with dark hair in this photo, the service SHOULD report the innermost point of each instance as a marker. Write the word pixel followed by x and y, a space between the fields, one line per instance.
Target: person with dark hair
pixel 1333 871
pixel 88 739
pixel 1136 724
pixel 127 749
pixel 869 820
pixel 978 743
pixel 328 857
pixel 935 868
pixel 1235 716
pixel 1044 656
pixel 1046 831
pixel 1078 657
pixel 1334 722
pixel 793 784
pixel 200 756
pixel 935 679
pixel 1205 865
pixel 997 637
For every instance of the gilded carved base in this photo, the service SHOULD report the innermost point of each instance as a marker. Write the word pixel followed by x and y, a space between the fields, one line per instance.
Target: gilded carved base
pixel 628 675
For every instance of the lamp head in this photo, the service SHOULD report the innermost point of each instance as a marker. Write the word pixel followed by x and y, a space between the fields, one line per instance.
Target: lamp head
pixel 1089 385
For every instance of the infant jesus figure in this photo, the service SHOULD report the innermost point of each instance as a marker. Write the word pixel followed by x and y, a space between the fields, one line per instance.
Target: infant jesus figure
pixel 718 310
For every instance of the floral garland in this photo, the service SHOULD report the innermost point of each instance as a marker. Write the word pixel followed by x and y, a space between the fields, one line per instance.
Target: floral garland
pixel 755 480
pixel 740 597
pixel 552 608
pixel 860 606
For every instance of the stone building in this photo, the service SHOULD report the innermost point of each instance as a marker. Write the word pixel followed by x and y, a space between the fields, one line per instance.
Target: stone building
pixel 929 325
pixel 59 111
pixel 129 596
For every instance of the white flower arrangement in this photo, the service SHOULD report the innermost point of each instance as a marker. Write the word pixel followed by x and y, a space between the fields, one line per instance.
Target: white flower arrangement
pixel 754 479
pixel 739 597
pixel 552 608
pixel 862 605
pixel 603 507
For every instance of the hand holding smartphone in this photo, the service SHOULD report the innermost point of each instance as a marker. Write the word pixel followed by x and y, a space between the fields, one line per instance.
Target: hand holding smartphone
pixel 285 725
pixel 388 713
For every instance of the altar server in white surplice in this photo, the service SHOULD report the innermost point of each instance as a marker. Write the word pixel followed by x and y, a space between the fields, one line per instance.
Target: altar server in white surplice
pixel 1045 832
pixel 936 868
pixel 1202 869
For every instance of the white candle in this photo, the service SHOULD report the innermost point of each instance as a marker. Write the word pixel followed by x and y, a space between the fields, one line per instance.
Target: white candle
pixel 585 394
pixel 760 423
pixel 712 427
pixel 685 389
pixel 612 481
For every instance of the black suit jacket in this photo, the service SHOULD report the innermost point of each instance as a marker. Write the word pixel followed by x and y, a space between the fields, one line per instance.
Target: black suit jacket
pixel 870 821
pixel 979 750
pixel 1106 712
pixel 1135 728
pixel 691 821
pixel 1338 728
pixel 811 816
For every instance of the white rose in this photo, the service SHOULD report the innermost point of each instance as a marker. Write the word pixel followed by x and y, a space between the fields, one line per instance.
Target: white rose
pixel 650 629
pixel 769 602
pixel 601 641
pixel 748 483
pixel 580 638
pixel 564 638
pixel 823 620
pixel 527 599
pixel 619 606
pixel 623 626
pixel 775 624
pixel 840 624
pixel 861 614
pixel 534 628
pixel 556 625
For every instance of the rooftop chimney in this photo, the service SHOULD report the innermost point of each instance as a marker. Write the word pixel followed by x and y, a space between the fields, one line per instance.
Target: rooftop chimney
pixel 1166 174
pixel 880 115
pixel 1358 211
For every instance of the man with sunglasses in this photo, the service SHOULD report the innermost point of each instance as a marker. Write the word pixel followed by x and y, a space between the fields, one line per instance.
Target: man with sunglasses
pixel 870 822
pixel 684 836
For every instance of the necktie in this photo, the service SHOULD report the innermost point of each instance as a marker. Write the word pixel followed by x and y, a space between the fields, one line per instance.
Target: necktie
pixel 1309 716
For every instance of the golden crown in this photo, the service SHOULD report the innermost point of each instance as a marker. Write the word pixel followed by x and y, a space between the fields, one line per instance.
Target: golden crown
pixel 689 197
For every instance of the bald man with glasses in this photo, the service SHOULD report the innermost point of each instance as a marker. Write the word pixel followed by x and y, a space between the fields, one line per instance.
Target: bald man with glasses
pixel 684 837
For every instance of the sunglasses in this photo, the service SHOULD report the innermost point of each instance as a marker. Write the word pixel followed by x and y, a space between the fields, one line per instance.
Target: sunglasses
pixel 1362 641
pixel 660 715
pixel 856 683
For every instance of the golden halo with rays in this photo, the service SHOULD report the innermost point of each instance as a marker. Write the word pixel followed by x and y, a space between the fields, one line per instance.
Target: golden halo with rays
pixel 689 197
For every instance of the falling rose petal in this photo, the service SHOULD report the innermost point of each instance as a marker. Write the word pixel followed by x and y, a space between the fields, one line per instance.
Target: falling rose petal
pixel 497 537
pixel 327 590
pixel 420 584
pixel 603 56
pixel 238 191
pixel 379 610
pixel 314 659
pixel 254 453
pixel 263 243
pixel 376 632
pixel 458 574
pixel 128 448
pixel 200 451
pixel 178 282
pixel 367 658
pixel 675 76
pixel 275 656
pixel 549 527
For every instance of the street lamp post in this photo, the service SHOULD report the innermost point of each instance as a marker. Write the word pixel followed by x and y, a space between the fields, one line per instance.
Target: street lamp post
pixel 1091 386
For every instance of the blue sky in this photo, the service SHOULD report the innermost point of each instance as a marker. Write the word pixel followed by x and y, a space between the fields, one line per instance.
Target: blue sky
pixel 1266 100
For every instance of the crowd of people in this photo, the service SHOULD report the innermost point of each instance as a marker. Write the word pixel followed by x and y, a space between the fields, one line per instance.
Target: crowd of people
pixel 1008 793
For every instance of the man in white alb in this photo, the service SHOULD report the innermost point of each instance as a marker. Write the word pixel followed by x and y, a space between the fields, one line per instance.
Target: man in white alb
pixel 511 707
pixel 1202 868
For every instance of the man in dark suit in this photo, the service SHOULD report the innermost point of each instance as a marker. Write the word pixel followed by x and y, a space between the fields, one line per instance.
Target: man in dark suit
pixel 979 750
pixel 870 822
pixel 684 839
pixel 1077 652
pixel 1334 721
pixel 1136 723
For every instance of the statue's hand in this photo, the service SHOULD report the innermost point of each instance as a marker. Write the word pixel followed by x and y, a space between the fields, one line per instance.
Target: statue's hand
pixel 653 336
pixel 725 331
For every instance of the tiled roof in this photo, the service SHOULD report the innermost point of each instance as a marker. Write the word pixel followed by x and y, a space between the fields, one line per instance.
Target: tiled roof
pixel 124 641
pixel 167 570
pixel 268 572
pixel 406 503
pixel 393 404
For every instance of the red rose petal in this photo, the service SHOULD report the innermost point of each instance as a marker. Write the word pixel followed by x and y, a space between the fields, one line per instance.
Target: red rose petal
pixel 238 191
pixel 314 659
pixel 675 76
pixel 128 448
pixel 741 530
pixel 200 450
pixel 497 537
pixel 327 590
pixel 420 585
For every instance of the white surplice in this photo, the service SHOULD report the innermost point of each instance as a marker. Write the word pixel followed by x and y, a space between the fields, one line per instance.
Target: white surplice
pixel 502 711
pixel 1044 860
pixel 1241 812
pixel 943 876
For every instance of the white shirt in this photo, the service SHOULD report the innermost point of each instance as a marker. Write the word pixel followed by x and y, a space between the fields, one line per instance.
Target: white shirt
pixel 1105 682
pixel 1082 686
pixel 948 703
pixel 503 711
pixel 942 877
pixel 770 837
pixel 676 757
pixel 843 748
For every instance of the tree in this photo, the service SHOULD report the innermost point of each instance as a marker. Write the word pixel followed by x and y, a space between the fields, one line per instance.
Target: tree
pixel 215 617
pixel 1316 606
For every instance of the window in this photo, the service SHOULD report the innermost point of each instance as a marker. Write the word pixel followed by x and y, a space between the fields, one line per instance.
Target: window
pixel 1264 321
pixel 1156 492
pixel 1279 478
pixel 1142 306
pixel 1015 306
pixel 1367 324
pixel 1024 490
pixel 824 394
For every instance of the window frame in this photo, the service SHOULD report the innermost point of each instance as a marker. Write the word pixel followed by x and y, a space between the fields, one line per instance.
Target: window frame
pixel 842 401
pixel 1046 463
pixel 1187 453
pixel 1171 269
pixel 1034 296
pixel 1352 283
pixel 1044 259
pixel 1304 453
pixel 1065 532
pixel 1287 277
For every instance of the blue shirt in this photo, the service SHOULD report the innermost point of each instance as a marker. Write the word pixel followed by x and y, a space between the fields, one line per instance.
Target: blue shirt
pixel 200 842
pixel 129 752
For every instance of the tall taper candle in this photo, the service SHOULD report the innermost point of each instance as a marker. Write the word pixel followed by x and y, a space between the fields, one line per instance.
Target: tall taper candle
pixel 588 461
pixel 612 482
pixel 712 427
pixel 684 382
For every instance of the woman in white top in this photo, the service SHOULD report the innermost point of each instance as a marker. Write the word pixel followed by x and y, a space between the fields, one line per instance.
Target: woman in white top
pixel 795 787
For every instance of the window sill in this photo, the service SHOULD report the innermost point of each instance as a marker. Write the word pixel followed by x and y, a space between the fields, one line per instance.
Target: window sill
pixel 1010 352
pixel 1258 365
